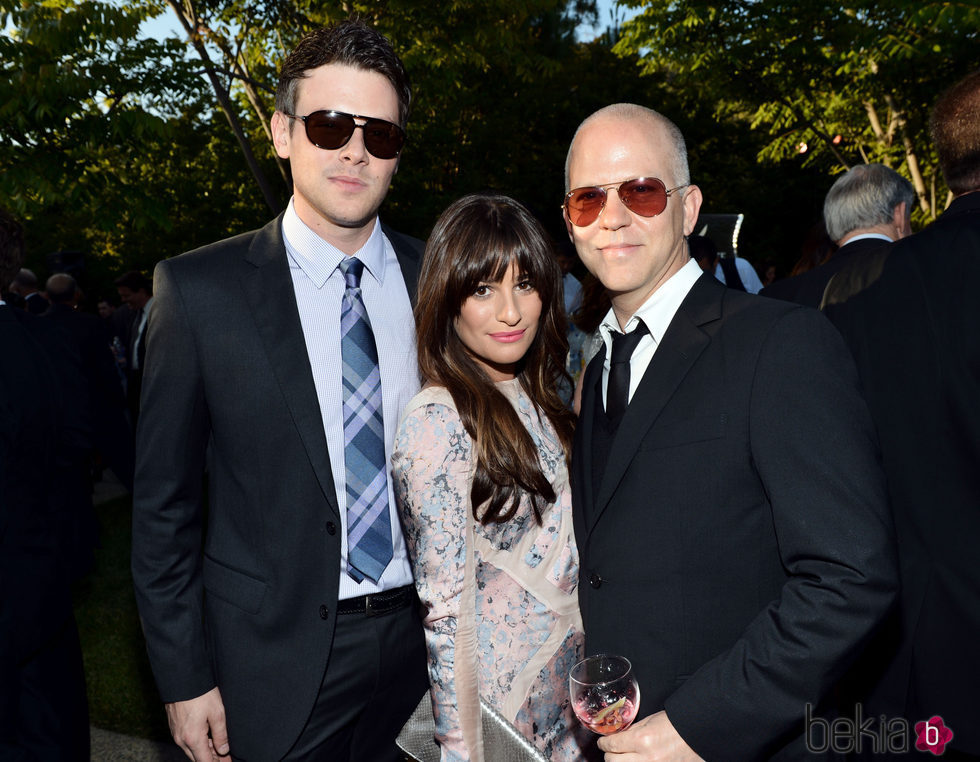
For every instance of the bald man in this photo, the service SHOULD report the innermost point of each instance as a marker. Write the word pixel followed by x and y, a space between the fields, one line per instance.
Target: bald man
pixel 740 590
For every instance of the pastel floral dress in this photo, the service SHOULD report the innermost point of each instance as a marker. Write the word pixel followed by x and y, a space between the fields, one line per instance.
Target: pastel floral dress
pixel 502 609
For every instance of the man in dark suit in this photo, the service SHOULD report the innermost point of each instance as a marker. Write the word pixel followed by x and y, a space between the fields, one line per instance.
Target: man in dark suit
pixel 25 286
pixel 297 634
pixel 103 404
pixel 136 293
pixel 914 336
pixel 43 709
pixel 740 591
pixel 866 209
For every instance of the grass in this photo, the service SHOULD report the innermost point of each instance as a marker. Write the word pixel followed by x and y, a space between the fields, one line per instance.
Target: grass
pixel 121 693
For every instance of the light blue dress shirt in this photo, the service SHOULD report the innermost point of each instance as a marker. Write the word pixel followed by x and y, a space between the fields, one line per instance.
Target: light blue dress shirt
pixel 319 287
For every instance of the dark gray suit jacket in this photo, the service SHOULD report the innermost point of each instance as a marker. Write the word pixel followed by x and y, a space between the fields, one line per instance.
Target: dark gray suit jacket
pixel 739 550
pixel 228 387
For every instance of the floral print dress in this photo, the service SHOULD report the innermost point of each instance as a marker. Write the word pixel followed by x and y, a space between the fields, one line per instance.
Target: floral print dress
pixel 502 610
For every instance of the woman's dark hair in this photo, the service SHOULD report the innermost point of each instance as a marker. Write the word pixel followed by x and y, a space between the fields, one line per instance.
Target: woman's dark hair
pixel 474 241
pixel 351 43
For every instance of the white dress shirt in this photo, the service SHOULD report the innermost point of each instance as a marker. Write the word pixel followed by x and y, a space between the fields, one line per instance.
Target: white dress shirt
pixel 656 312
pixel 319 286
pixel 876 236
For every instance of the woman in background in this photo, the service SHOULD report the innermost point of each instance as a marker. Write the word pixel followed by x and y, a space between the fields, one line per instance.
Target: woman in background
pixel 481 478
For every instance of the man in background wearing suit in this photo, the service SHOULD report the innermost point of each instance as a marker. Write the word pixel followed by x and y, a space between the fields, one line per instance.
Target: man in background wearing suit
pixel 25 286
pixel 914 334
pixel 136 293
pixel 740 592
pixel 43 708
pixel 866 209
pixel 279 362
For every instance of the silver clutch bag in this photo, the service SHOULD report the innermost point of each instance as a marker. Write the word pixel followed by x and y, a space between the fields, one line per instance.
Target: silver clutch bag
pixel 501 741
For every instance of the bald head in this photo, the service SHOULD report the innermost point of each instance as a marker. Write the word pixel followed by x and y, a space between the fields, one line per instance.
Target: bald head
pixel 646 119
pixel 61 288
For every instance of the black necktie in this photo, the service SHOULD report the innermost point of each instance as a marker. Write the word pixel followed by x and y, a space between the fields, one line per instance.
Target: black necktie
pixel 618 389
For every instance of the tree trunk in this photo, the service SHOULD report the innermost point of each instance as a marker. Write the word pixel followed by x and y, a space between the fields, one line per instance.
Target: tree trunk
pixel 188 19
pixel 910 157
pixel 236 62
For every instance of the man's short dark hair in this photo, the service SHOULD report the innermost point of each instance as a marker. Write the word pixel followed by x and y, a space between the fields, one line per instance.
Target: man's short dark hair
pixel 11 248
pixel 134 280
pixel 352 43
pixel 955 127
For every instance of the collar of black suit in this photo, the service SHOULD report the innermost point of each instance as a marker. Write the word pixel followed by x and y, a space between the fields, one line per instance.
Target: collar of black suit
pixel 682 344
pixel 968 203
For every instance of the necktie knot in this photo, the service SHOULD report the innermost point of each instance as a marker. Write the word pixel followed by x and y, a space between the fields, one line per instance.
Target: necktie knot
pixel 618 388
pixel 352 267
pixel 623 344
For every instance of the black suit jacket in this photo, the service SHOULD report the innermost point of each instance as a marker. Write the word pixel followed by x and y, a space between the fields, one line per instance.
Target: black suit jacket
pixel 36 303
pixel 739 550
pixel 915 334
pixel 808 288
pixel 228 385
pixel 105 403
pixel 39 438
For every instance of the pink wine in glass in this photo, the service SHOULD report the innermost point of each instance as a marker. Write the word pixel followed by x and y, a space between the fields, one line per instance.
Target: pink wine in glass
pixel 604 693
pixel 610 719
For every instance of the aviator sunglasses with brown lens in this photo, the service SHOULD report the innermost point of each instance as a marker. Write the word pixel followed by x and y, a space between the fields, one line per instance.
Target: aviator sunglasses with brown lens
pixel 645 196
pixel 332 129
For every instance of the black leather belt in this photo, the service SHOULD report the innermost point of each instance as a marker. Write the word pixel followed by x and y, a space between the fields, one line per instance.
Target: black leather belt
pixel 378 603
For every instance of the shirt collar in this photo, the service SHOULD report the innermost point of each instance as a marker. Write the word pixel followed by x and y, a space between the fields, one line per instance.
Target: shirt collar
pixel 879 236
pixel 659 308
pixel 319 259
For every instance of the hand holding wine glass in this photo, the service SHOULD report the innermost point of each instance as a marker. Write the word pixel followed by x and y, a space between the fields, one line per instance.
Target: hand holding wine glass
pixel 604 693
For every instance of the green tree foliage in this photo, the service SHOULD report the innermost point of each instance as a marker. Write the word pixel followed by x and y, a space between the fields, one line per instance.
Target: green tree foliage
pixel 122 146
pixel 108 146
pixel 853 82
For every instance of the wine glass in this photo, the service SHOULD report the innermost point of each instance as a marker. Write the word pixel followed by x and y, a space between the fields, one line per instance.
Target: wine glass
pixel 605 695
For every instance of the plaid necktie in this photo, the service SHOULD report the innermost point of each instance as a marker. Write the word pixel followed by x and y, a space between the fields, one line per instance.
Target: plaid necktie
pixel 368 523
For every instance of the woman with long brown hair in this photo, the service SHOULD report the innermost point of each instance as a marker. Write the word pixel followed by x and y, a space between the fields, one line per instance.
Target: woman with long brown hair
pixel 481 478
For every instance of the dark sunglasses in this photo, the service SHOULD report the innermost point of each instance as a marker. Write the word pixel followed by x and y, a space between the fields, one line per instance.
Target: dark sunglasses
pixel 332 130
pixel 645 196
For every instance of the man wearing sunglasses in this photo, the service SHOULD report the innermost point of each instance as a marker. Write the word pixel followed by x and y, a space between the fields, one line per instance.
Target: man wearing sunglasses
pixel 280 618
pixel 743 590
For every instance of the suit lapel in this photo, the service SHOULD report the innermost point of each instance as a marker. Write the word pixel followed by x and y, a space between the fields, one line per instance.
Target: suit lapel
pixel 582 466
pixel 682 344
pixel 269 291
pixel 409 252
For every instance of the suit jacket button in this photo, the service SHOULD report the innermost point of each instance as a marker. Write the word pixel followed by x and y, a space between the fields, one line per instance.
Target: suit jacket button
pixel 595 580
pixel 324 612
pixel 331 528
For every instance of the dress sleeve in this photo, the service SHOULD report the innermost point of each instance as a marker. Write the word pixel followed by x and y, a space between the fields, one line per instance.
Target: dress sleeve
pixel 431 471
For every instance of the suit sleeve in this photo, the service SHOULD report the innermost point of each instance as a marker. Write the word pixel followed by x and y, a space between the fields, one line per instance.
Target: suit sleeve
pixel 431 467
pixel 168 507
pixel 814 449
